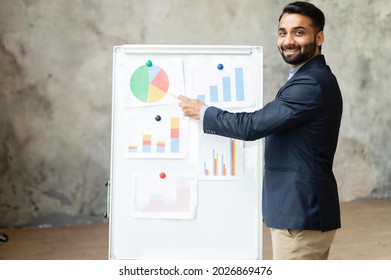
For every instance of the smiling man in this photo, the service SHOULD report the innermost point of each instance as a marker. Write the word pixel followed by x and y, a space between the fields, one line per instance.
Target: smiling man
pixel 300 201
pixel 299 37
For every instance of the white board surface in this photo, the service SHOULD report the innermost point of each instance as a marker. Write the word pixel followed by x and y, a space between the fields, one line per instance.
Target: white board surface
pixel 175 192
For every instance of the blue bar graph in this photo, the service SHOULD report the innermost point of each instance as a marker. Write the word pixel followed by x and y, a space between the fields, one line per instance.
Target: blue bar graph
pixel 235 81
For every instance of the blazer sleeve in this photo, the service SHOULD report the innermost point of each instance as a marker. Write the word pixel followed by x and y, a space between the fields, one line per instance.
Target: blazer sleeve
pixel 296 103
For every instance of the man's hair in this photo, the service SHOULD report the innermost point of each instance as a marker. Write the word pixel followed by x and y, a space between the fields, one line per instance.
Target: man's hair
pixel 306 9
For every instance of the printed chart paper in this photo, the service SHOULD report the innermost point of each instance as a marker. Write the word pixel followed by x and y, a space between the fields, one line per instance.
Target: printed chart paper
pixel 220 157
pixel 149 82
pixel 156 135
pixel 224 85
pixel 165 195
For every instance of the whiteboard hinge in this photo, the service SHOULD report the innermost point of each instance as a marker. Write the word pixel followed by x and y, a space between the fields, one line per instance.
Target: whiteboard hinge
pixel 107 214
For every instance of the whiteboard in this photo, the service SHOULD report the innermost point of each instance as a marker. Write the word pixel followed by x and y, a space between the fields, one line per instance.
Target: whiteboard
pixel 175 192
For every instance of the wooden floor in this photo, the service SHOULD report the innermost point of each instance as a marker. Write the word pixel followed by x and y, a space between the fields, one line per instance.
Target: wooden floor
pixel 365 235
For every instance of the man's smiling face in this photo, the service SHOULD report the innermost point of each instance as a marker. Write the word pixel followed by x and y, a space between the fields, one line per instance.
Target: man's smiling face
pixel 298 41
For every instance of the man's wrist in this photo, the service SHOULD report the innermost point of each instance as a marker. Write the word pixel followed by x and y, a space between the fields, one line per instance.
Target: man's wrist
pixel 202 112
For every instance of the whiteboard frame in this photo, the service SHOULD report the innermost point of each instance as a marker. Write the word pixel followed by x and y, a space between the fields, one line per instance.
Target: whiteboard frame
pixel 254 150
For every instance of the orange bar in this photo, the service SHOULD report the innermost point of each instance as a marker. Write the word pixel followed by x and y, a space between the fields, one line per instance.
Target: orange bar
pixel 132 148
pixel 216 164
pixel 233 163
pixel 160 144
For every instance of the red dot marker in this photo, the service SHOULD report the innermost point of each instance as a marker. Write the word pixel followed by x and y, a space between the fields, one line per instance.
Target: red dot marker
pixel 162 175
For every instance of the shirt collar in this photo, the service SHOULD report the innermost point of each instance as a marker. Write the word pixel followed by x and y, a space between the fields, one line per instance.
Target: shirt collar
pixel 294 70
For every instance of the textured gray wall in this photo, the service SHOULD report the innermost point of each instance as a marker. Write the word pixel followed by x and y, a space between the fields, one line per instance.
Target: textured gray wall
pixel 55 90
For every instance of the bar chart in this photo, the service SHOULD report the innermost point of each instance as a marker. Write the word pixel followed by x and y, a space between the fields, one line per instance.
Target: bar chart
pixel 228 87
pixel 166 138
pixel 160 145
pixel 173 197
pixel 219 164
pixel 220 157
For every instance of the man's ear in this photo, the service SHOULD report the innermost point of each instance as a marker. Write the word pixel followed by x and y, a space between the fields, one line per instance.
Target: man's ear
pixel 319 38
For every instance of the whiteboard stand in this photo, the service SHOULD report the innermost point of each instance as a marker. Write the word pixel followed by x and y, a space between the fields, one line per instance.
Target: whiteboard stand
pixel 222 216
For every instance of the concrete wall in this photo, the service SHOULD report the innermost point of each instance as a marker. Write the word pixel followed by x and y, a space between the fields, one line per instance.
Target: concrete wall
pixel 55 90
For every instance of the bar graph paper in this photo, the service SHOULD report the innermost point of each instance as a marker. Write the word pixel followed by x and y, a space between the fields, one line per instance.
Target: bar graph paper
pixel 229 87
pixel 219 157
pixel 147 137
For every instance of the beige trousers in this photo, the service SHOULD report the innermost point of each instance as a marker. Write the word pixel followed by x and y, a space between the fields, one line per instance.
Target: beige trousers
pixel 292 244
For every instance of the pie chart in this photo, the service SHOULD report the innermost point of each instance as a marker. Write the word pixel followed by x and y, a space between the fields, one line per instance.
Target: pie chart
pixel 149 83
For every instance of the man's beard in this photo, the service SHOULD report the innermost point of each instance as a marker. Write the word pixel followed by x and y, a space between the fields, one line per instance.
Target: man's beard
pixel 305 53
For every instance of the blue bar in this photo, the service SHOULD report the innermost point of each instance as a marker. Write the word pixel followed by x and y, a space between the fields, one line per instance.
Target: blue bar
pixel 222 165
pixel 239 84
pixel 146 148
pixel 226 89
pixel 201 97
pixel 174 145
pixel 214 94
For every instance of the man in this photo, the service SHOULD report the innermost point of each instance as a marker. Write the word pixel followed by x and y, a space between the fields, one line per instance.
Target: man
pixel 300 201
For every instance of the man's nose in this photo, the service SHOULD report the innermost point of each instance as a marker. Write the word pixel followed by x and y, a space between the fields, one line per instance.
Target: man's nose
pixel 289 39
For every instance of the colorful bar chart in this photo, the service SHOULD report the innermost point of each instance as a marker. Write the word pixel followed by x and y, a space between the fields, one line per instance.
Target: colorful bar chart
pixel 163 137
pixel 160 145
pixel 219 165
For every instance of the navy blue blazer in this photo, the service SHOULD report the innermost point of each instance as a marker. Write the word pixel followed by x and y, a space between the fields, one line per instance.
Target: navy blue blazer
pixel 301 128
